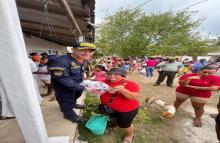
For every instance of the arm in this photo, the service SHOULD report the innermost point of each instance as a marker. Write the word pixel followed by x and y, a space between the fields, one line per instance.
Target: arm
pixel 37 72
pixel 160 64
pixel 186 81
pixel 128 94
pixel 125 92
pixel 211 88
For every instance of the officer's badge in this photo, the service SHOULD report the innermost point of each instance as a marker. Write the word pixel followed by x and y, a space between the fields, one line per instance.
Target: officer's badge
pixel 74 65
pixel 58 73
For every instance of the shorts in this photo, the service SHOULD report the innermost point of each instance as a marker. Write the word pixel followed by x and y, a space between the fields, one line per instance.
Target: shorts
pixel 124 119
pixel 217 120
pixel 192 98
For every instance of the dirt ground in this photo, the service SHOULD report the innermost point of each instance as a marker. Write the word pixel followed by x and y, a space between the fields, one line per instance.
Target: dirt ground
pixel 179 129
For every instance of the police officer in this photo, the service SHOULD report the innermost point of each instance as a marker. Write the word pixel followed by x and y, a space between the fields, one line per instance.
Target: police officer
pixel 66 75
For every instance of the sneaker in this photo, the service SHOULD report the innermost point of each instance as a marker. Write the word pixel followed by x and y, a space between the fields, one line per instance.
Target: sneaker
pixel 76 119
pixel 78 106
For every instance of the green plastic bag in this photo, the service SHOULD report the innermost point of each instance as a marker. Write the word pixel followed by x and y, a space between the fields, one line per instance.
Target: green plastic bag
pixel 97 124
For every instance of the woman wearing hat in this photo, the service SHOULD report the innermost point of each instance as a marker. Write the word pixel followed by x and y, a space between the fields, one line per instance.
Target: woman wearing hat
pixel 197 87
pixel 122 99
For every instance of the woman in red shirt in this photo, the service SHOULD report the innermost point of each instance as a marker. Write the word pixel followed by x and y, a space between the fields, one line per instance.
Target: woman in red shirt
pixel 125 104
pixel 197 87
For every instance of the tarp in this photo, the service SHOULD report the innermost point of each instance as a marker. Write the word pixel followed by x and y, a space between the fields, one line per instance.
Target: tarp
pixel 6 109
pixel 16 75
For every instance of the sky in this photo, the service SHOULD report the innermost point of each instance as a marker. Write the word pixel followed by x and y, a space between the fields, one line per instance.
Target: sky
pixel 208 10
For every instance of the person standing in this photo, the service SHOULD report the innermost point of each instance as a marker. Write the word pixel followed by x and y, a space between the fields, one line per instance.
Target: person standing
pixel 150 64
pixel 169 70
pixel 44 75
pixel 67 72
pixel 198 88
pixel 33 60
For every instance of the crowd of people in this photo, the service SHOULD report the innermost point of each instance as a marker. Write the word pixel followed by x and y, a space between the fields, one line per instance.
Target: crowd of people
pixel 196 82
pixel 61 76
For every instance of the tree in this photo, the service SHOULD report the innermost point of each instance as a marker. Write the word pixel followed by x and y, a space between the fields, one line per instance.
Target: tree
pixel 134 33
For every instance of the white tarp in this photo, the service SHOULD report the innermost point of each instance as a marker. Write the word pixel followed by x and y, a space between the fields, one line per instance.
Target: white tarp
pixel 6 109
pixel 16 75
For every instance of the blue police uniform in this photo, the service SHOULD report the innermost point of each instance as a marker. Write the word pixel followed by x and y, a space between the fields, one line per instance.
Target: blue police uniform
pixel 66 75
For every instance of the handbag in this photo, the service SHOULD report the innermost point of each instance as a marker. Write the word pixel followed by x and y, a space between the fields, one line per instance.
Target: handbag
pixel 97 124
pixel 105 109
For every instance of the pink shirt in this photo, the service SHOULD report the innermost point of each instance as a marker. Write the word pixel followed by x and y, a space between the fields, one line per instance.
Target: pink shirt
pixel 151 63
pixel 100 76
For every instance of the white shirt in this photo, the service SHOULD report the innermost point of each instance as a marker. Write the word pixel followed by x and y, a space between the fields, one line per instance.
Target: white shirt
pixel 43 76
pixel 33 66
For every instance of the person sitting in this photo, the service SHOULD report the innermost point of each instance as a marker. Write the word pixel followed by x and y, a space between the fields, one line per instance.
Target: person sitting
pixel 122 99
pixel 197 87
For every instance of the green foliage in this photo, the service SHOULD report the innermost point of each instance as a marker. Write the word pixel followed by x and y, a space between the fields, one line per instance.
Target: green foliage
pixel 134 33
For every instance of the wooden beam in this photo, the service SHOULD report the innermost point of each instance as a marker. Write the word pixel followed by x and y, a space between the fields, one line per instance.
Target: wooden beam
pixel 39 16
pixel 54 7
pixel 37 26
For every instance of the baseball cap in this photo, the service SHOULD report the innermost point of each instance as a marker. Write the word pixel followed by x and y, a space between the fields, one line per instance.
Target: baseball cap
pixel 118 71
pixel 84 46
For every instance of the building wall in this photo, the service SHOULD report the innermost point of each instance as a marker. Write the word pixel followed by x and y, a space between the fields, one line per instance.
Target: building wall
pixel 35 44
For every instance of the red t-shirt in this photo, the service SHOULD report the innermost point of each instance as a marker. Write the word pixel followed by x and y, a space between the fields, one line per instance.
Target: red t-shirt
pixel 120 103
pixel 210 80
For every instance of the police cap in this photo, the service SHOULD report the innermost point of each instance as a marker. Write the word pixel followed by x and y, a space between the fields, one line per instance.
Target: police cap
pixel 84 46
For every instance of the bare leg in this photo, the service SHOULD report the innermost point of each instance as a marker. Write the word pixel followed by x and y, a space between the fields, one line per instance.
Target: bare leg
pixel 178 102
pixel 129 133
pixel 199 110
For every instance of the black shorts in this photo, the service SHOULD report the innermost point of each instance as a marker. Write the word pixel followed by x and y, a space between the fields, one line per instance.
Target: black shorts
pixel 217 120
pixel 124 119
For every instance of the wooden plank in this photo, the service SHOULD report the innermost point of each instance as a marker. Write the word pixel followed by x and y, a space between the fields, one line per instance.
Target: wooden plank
pixel 38 16
pixel 54 7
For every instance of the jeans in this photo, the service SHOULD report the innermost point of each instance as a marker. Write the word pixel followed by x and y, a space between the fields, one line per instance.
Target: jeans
pixel 149 71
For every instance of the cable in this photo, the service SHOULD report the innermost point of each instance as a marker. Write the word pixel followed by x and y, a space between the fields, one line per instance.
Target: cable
pixel 191 5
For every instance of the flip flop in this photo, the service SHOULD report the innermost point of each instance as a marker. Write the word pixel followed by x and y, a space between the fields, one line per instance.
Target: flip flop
pixel 196 123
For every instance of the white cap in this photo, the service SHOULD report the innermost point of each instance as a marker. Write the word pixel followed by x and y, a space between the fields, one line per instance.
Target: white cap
pixel 69 50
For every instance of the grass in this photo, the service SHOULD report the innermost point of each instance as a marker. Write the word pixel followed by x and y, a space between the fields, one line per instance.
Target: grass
pixel 149 127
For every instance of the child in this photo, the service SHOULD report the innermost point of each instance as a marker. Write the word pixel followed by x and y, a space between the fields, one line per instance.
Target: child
pixel 99 73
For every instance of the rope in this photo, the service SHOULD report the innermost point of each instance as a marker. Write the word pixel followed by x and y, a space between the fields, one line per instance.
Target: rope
pixel 49 23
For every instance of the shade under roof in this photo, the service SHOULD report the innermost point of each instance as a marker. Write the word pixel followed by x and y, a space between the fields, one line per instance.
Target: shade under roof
pixel 52 23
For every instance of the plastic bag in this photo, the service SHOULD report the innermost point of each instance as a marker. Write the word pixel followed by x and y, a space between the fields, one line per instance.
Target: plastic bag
pixel 96 87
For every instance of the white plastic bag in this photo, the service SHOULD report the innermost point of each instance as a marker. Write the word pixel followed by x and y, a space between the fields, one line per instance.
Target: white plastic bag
pixel 96 87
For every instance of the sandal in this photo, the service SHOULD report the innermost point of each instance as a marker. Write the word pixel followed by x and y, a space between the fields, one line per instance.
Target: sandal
pixel 197 123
